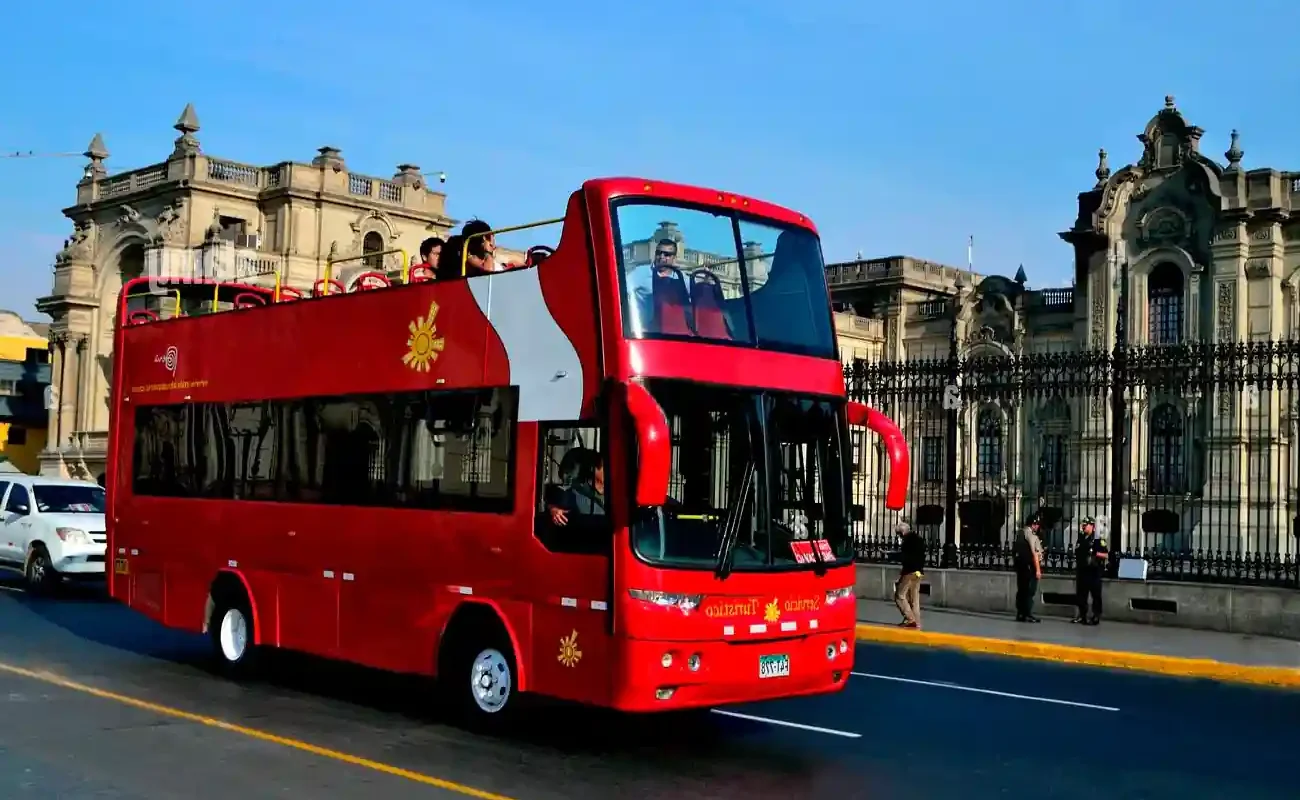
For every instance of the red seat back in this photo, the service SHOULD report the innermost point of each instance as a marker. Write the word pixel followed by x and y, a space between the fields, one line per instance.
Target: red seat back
pixel 706 298
pixel 670 303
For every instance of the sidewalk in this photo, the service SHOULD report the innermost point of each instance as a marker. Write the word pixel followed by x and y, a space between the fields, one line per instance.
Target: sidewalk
pixel 1167 651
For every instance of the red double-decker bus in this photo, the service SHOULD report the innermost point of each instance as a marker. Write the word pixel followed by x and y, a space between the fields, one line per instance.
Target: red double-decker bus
pixel 618 474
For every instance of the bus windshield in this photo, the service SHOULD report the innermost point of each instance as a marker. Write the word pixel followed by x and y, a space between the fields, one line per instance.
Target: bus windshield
pixel 797 494
pixel 696 273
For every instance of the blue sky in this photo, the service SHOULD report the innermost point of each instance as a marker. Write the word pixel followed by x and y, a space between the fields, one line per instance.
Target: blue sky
pixel 899 128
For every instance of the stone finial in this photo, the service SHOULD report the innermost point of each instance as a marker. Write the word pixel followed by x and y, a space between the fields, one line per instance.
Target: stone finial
pixel 1103 168
pixel 408 175
pixel 188 125
pixel 1169 102
pixel 1234 152
pixel 1021 277
pixel 96 152
pixel 329 157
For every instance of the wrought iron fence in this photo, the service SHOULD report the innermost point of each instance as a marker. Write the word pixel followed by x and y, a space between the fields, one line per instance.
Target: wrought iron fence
pixel 1201 477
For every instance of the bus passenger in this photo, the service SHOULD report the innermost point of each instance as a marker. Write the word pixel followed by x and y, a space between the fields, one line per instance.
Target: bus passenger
pixel 640 284
pixel 430 250
pixel 585 494
pixel 481 248
pixel 448 267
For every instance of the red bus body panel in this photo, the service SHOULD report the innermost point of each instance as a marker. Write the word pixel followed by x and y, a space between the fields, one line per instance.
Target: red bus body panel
pixel 377 585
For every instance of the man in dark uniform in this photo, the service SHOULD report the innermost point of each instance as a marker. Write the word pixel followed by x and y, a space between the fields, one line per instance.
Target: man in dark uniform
pixel 1028 558
pixel 1090 557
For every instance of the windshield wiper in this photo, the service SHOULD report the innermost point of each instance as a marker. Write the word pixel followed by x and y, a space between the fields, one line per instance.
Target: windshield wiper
pixel 731 526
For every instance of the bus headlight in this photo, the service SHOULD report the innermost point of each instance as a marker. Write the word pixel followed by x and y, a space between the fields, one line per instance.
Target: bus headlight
pixel 686 603
pixel 833 595
pixel 693 663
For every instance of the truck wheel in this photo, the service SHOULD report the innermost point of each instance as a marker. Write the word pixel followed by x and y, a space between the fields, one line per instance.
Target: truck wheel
pixel 232 635
pixel 482 683
pixel 40 575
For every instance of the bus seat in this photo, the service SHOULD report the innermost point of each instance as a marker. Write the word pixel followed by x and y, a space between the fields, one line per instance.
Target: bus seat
pixel 421 273
pixel 538 254
pixel 370 280
pixel 289 293
pixel 670 301
pixel 706 299
pixel 318 288
pixel 249 300
pixel 140 317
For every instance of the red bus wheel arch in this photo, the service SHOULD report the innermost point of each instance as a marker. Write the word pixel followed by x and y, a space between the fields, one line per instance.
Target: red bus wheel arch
pixel 481 615
pixel 232 582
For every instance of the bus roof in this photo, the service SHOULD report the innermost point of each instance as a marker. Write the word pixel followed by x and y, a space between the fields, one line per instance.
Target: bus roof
pixel 614 187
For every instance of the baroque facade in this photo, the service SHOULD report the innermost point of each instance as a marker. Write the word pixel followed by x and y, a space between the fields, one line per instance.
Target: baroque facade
pixel 194 215
pixel 1190 265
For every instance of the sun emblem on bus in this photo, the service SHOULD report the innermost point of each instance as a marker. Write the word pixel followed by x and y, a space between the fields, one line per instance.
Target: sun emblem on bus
pixel 772 612
pixel 570 655
pixel 424 343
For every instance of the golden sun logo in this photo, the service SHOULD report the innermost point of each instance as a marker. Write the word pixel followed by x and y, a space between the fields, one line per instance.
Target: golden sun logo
pixel 772 612
pixel 424 343
pixel 570 655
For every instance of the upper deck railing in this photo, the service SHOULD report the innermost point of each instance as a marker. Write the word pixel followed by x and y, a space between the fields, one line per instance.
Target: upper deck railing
pixel 161 298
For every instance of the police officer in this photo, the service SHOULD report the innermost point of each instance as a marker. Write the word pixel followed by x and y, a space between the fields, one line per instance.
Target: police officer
pixel 1028 558
pixel 1090 558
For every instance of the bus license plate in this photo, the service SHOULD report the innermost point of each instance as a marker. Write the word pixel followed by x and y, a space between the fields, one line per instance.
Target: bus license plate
pixel 774 666
pixel 120 566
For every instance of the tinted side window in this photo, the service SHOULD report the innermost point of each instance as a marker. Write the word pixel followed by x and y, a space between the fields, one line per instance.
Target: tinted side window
pixel 571 512
pixel 4 485
pixel 422 449
pixel 19 500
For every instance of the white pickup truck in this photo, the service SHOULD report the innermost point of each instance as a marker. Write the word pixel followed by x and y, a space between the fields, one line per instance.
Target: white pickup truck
pixel 51 529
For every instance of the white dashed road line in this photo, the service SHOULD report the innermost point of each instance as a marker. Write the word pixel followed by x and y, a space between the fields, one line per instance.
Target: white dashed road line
pixel 960 688
pixel 787 724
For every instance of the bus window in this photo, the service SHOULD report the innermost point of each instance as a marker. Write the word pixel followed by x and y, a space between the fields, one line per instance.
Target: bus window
pixel 571 513
pixel 787 289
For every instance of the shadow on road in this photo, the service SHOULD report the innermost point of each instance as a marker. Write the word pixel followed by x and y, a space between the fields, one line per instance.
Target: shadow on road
pixel 698 737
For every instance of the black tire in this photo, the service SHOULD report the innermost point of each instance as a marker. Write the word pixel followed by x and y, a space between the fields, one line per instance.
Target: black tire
pixel 232 634
pixel 479 678
pixel 39 574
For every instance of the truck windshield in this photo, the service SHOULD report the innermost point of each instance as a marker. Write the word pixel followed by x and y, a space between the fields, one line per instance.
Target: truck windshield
pixel 795 447
pixel 695 273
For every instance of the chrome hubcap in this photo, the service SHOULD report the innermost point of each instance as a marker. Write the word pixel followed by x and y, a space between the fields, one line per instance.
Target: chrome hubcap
pixel 490 681
pixel 233 635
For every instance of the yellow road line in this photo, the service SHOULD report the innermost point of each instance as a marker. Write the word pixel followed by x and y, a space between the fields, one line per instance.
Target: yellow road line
pixel 1067 654
pixel 253 733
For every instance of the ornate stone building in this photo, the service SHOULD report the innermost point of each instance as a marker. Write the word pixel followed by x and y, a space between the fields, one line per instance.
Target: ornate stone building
pixel 1199 254
pixel 196 215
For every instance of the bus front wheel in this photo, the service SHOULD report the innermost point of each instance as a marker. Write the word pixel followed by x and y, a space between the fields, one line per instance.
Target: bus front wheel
pixel 479 677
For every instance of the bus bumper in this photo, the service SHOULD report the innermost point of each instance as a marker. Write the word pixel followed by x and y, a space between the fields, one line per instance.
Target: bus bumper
pixel 659 674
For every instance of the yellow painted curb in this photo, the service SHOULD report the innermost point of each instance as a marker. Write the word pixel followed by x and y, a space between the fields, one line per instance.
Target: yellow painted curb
pixel 1067 654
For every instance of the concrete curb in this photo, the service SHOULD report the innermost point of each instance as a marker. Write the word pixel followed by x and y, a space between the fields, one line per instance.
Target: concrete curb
pixel 1086 656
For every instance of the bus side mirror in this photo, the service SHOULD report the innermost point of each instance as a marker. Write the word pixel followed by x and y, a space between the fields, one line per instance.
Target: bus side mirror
pixel 654 447
pixel 900 467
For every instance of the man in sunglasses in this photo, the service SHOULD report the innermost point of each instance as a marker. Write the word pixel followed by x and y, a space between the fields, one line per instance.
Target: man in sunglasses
pixel 640 283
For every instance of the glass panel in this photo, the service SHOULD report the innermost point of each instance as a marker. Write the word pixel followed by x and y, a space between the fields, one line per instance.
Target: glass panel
pixel 681 274
pixel 787 285
pixel 704 274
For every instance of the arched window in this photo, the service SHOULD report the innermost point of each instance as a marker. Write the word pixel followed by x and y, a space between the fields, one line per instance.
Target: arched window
pixel 1165 304
pixel 1165 459
pixel 373 243
pixel 988 443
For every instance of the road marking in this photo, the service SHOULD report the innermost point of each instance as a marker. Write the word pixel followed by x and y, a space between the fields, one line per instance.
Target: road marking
pixel 13 589
pixel 787 724
pixel 253 733
pixel 960 688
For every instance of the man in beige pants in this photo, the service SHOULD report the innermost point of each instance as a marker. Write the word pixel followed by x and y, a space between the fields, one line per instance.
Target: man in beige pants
pixel 907 590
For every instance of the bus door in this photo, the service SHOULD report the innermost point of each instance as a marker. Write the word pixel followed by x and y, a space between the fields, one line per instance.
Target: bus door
pixel 570 573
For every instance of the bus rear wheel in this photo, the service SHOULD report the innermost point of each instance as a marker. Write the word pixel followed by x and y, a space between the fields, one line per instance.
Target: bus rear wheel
pixel 232 635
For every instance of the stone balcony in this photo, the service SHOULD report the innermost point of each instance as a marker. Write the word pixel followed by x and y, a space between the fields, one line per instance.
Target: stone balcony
pixel 327 174
pixel 851 325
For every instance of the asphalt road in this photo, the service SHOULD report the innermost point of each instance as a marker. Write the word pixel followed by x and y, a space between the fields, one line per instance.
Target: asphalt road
pixel 914 723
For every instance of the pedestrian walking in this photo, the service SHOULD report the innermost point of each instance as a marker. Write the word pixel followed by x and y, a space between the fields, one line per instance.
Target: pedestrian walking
pixel 907 589
pixel 1028 559
pixel 1090 558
